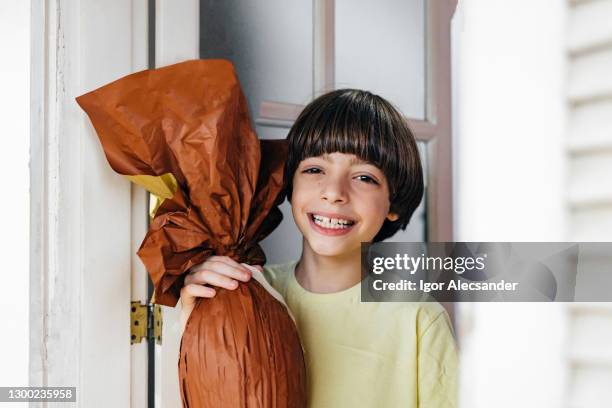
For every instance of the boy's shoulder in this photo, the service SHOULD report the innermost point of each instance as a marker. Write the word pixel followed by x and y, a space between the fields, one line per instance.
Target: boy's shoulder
pixel 434 323
pixel 278 275
pixel 431 310
pixel 432 313
pixel 423 315
pixel 280 268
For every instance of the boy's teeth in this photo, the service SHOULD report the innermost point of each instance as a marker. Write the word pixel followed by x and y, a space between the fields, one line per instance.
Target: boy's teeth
pixel 334 223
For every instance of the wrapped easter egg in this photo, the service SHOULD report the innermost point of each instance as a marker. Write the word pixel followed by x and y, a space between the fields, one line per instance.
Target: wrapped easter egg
pixel 184 133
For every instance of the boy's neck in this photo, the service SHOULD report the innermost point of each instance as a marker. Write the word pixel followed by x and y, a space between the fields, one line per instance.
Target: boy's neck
pixel 328 274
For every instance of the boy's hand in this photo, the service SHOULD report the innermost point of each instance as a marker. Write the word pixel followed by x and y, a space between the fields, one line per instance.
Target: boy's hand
pixel 218 271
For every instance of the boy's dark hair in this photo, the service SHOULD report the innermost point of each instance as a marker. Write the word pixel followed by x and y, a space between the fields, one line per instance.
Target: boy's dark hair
pixel 358 122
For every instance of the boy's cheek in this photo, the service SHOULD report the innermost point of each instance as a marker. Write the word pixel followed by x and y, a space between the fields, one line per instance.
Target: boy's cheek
pixel 298 194
pixel 297 218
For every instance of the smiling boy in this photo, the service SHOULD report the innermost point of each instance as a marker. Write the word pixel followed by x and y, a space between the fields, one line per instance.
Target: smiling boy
pixel 353 175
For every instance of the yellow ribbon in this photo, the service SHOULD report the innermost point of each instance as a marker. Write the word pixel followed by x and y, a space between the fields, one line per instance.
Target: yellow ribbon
pixel 160 187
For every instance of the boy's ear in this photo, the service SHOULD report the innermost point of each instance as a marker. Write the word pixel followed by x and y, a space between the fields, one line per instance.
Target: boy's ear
pixel 392 216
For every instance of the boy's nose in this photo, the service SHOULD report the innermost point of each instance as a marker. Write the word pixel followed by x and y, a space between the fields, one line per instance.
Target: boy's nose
pixel 334 191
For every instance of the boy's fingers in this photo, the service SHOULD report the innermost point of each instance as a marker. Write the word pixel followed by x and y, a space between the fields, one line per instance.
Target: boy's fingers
pixel 194 290
pixel 213 278
pixel 227 260
pixel 240 272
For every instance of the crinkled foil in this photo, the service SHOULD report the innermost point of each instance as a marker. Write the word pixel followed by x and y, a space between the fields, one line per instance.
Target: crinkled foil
pixel 187 127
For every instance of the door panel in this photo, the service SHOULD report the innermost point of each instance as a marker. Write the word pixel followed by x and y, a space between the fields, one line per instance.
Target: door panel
pixel 269 42
pixel 380 47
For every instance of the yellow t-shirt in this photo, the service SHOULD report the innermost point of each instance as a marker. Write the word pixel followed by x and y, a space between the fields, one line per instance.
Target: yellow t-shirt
pixel 370 354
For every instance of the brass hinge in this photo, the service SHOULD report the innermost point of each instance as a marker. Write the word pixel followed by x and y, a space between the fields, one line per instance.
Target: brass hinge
pixel 146 322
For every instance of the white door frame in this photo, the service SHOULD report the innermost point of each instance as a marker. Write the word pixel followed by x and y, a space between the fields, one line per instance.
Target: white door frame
pixel 436 129
pixel 80 253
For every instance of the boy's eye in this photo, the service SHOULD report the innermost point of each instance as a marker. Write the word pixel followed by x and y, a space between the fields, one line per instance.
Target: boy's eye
pixel 367 179
pixel 312 170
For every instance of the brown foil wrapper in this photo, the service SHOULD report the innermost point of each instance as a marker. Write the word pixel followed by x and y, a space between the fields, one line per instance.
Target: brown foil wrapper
pixel 185 130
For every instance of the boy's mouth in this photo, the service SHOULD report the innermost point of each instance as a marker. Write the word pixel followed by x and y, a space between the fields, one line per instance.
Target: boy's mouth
pixel 330 225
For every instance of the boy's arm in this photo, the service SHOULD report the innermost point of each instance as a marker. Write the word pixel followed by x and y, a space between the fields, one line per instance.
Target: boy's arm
pixel 438 369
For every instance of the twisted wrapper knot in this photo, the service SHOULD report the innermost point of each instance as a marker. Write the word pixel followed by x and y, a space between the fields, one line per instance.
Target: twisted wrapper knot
pixel 252 254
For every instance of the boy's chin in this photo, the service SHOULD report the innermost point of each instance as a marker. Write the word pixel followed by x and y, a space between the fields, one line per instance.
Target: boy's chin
pixel 325 249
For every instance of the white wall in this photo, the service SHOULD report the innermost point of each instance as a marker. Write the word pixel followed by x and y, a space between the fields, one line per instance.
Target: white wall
pixel 510 107
pixel 509 128
pixel 14 205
